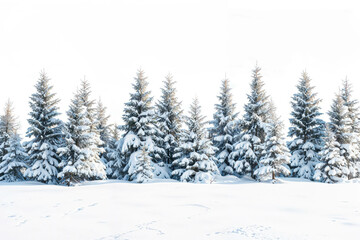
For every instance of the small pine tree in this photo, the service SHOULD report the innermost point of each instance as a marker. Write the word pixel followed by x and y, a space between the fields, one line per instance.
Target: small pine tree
pixel 306 129
pixel 46 133
pixel 80 162
pixel 276 156
pixel 250 145
pixel 223 128
pixel 102 124
pixel 341 126
pixel 354 116
pixel 14 161
pixel 139 124
pixel 195 161
pixel 112 155
pixel 332 167
pixel 169 120
pixel 142 170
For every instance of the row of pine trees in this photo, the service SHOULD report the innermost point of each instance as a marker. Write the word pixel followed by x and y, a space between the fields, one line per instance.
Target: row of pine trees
pixel 153 143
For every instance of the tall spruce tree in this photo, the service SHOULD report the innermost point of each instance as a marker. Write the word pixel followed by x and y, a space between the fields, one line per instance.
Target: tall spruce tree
pixel 276 155
pixel 169 116
pixel 307 129
pixel 354 115
pixel 341 126
pixel 223 128
pixel 332 167
pixel 45 132
pixel 12 156
pixel 195 157
pixel 81 162
pixel 250 144
pixel 139 125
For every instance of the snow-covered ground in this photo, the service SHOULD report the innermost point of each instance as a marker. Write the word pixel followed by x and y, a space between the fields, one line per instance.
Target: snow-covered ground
pixel 227 209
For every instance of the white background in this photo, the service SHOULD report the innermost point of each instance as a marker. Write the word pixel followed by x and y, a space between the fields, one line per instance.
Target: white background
pixel 197 41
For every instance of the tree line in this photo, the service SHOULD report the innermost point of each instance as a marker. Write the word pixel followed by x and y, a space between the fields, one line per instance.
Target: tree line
pixel 153 142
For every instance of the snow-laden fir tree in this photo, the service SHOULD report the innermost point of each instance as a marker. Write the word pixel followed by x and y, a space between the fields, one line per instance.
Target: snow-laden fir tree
pixel 45 132
pixel 102 123
pixel 249 146
pixel 14 161
pixel 112 156
pixel 341 126
pixel 223 129
pixel 142 171
pixel 307 129
pixel 276 156
pixel 12 156
pixel 80 162
pixel 354 115
pixel 195 157
pixel 139 127
pixel 332 167
pixel 169 119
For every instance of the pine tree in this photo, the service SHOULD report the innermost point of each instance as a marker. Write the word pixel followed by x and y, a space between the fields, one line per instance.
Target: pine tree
pixel 12 156
pixel 169 116
pixel 81 161
pixel 102 125
pixel 195 161
pixel 45 132
pixel 306 129
pixel 143 170
pixel 139 125
pixel 276 156
pixel 341 126
pixel 250 145
pixel 14 161
pixel 354 115
pixel 332 167
pixel 223 128
pixel 112 154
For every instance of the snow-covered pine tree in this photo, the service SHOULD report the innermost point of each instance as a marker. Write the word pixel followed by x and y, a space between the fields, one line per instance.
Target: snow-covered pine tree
pixel 142 171
pixel 14 161
pixel 112 154
pixel 354 115
pixel 102 123
pixel 169 120
pixel 12 156
pixel 223 130
pixel 332 167
pixel 80 162
pixel 45 132
pixel 341 126
pixel 195 157
pixel 250 144
pixel 307 129
pixel 276 155
pixel 139 127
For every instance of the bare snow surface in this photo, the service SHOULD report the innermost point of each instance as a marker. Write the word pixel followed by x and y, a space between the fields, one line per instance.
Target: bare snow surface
pixel 229 208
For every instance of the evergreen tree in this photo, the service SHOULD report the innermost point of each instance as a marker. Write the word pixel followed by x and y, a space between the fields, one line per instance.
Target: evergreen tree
pixel 276 156
pixel 143 170
pixel 45 132
pixel 341 126
pixel 139 125
pixel 354 115
pixel 12 156
pixel 332 167
pixel 102 125
pixel 195 161
pixel 169 116
pixel 113 158
pixel 306 129
pixel 81 161
pixel 14 161
pixel 223 128
pixel 250 144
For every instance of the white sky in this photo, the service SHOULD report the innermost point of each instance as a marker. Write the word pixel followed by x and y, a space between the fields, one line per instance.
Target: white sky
pixel 197 41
